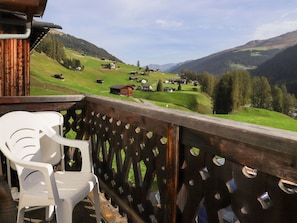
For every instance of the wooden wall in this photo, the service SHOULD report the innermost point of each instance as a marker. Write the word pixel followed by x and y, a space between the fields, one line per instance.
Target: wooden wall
pixel 14 67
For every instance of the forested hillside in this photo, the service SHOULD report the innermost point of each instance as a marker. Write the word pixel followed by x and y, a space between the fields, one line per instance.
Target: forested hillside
pixel 221 62
pixel 245 57
pixel 83 46
pixel 55 49
pixel 236 89
pixel 281 69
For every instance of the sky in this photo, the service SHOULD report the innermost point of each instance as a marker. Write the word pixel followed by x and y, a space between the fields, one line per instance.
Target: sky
pixel 171 31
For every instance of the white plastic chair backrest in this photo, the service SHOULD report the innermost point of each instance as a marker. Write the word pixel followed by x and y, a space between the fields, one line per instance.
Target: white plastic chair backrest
pixel 20 140
pixel 52 152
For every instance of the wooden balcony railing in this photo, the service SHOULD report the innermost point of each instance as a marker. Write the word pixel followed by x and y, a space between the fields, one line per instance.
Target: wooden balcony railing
pixel 167 166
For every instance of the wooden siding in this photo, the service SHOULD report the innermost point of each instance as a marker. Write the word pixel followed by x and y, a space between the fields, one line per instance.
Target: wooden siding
pixel 127 91
pixel 122 90
pixel 14 67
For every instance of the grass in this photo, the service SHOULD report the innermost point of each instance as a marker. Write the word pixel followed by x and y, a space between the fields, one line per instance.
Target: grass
pixel 42 68
pixel 263 117
pixel 188 99
pixel 81 82
pixel 240 67
pixel 184 100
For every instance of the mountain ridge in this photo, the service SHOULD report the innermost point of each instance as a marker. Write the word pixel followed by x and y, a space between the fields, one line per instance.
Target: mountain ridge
pixel 281 69
pixel 246 56
pixel 82 46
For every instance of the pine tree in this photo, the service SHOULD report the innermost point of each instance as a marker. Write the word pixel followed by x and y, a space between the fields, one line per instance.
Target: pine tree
pixel 160 85
pixel 277 99
pixel 222 100
pixel 261 92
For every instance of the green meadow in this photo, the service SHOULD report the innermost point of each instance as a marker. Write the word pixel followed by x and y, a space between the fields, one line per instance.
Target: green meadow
pixel 263 117
pixel 189 98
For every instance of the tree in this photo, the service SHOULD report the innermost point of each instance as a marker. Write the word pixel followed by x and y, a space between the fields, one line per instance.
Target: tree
pixel 277 102
pixel 207 82
pixel 179 87
pixel 232 91
pixel 147 70
pixel 244 82
pixel 54 49
pixel 261 92
pixel 289 101
pixel 160 85
pixel 222 100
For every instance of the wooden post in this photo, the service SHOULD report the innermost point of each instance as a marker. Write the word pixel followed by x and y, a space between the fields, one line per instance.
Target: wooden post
pixel 172 167
pixel 14 67
pixel 1 67
pixel 26 66
pixel 20 66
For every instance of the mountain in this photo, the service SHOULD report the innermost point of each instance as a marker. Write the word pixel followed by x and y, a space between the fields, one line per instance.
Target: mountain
pixel 163 67
pixel 248 56
pixel 281 69
pixel 82 46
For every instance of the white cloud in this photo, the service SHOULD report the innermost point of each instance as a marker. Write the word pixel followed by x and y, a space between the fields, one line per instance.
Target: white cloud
pixel 273 29
pixel 169 23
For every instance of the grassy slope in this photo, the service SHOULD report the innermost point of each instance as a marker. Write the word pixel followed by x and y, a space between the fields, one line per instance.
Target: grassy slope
pixel 77 82
pixel 42 83
pixel 263 117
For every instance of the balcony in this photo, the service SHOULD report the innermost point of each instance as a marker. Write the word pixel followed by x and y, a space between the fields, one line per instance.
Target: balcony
pixel 168 166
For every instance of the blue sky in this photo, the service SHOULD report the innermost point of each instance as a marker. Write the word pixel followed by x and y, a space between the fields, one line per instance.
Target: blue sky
pixel 171 31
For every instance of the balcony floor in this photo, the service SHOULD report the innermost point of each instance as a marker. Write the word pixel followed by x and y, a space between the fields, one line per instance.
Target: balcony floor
pixel 83 213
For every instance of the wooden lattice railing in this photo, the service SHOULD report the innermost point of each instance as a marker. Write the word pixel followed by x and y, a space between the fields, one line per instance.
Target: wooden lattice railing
pixel 162 165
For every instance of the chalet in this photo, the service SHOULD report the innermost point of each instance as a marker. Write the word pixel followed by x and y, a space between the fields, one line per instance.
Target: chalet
pixel 133 78
pixel 99 81
pixel 168 89
pixel 133 72
pixel 145 87
pixel 143 81
pixel 19 34
pixel 196 83
pixel 108 65
pixel 125 90
pixel 112 65
pixel 59 76
pixel 177 81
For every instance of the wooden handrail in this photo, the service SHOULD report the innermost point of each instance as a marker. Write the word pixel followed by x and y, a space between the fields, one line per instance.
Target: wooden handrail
pixel 189 161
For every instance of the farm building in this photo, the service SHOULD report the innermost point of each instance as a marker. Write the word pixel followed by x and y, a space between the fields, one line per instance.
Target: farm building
pixel 169 89
pixel 145 87
pixel 99 81
pixel 133 72
pixel 133 78
pixel 125 90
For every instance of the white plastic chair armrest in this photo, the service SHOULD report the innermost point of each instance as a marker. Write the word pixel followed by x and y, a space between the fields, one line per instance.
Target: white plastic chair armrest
pixel 48 173
pixel 84 147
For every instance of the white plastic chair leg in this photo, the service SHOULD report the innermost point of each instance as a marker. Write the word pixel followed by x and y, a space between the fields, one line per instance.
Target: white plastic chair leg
pixel 8 172
pixel 64 213
pixel 49 213
pixel 97 203
pixel 21 213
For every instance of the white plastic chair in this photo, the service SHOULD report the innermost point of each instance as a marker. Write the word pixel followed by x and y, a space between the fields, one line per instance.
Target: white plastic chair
pixel 20 134
pixel 51 152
